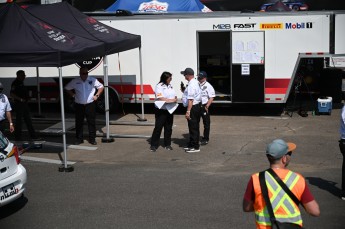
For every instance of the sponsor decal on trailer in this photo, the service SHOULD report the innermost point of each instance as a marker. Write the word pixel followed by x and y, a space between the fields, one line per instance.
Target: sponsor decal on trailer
pixel 245 26
pixel 222 27
pixel 271 25
pixel 302 25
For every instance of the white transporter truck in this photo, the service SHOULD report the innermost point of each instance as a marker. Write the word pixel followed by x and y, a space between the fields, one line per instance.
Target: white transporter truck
pixel 249 57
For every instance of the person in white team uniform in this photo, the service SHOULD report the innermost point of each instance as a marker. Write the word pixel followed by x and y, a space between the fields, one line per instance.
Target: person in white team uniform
pixel 192 100
pixel 5 111
pixel 85 90
pixel 207 96
pixel 164 91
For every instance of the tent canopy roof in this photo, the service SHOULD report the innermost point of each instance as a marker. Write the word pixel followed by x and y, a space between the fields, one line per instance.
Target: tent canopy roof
pixel 29 39
pixel 85 26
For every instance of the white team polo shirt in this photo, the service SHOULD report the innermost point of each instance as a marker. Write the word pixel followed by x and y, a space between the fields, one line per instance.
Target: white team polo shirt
pixel 4 106
pixel 192 91
pixel 164 91
pixel 84 90
pixel 207 92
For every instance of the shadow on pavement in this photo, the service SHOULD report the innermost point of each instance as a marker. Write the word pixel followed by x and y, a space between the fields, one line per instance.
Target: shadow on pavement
pixel 13 207
pixel 329 186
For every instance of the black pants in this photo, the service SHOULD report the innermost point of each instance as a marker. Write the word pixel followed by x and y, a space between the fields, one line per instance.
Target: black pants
pixel 342 150
pixel 194 126
pixel 207 123
pixel 23 112
pixel 88 111
pixel 2 126
pixel 162 119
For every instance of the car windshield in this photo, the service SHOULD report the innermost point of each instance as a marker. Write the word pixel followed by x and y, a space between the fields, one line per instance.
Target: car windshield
pixel 3 141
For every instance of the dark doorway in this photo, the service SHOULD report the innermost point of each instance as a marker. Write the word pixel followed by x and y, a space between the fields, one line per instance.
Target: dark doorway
pixel 214 58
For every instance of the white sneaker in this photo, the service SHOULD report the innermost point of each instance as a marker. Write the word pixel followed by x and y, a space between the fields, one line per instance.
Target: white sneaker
pixel 192 150
pixel 343 197
pixel 187 147
pixel 168 148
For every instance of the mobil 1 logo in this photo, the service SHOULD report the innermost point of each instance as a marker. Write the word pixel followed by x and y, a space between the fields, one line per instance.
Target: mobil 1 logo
pixel 301 25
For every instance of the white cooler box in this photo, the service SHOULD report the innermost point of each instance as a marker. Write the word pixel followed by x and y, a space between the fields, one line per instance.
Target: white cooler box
pixel 324 105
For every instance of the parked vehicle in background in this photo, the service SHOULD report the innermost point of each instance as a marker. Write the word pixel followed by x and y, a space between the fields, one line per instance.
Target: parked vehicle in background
pixel 12 173
pixel 295 5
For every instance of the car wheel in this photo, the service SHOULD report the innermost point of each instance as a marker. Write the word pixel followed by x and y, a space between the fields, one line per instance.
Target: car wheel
pixel 113 102
pixel 295 8
pixel 69 103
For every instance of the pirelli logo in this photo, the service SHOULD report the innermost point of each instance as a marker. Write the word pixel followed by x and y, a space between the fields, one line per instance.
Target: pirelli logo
pixel 271 25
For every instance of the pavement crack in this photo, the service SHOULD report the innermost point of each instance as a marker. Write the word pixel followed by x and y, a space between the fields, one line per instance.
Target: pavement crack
pixel 289 128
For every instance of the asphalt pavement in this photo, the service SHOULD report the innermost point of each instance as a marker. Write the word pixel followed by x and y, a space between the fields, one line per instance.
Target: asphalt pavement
pixel 124 185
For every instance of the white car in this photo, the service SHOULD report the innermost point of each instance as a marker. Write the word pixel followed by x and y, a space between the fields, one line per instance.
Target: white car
pixel 12 173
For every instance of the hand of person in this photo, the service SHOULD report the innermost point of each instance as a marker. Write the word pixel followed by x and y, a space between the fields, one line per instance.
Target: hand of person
pixel 206 109
pixel 187 115
pixel 11 128
pixel 95 97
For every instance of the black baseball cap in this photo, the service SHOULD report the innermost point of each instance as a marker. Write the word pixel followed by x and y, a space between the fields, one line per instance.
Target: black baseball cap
pixel 187 71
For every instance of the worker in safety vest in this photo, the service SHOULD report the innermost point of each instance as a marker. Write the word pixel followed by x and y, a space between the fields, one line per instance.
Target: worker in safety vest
pixel 279 154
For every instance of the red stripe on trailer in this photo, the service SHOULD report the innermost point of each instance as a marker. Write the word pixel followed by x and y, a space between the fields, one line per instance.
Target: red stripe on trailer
pixel 49 84
pixel 317 53
pixel 133 89
pixel 276 86
pixel 275 90
pixel 280 83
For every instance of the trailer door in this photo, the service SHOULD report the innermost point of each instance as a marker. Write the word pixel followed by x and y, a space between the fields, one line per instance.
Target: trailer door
pixel 214 58
pixel 248 68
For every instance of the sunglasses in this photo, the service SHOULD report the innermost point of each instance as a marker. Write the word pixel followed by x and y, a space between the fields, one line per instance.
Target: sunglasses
pixel 289 153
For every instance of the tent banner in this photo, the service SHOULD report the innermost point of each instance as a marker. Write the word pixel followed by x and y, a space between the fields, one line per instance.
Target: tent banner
pixel 153 6
pixel 162 6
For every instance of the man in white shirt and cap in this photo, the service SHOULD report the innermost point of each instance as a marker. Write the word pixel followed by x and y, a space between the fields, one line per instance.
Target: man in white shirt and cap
pixel 192 100
pixel 207 96
pixel 85 90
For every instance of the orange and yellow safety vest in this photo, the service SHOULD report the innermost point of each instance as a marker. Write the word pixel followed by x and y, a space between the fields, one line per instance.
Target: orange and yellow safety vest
pixel 284 208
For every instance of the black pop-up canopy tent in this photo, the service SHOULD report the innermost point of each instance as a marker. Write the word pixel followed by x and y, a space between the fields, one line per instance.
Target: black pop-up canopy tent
pixel 84 26
pixel 27 40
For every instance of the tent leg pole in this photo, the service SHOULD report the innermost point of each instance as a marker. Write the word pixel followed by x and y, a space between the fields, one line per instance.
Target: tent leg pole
pixel 142 119
pixel 39 115
pixel 64 167
pixel 106 139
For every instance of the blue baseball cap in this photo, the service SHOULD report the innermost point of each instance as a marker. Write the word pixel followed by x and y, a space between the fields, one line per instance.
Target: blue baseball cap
pixel 278 148
pixel 202 74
